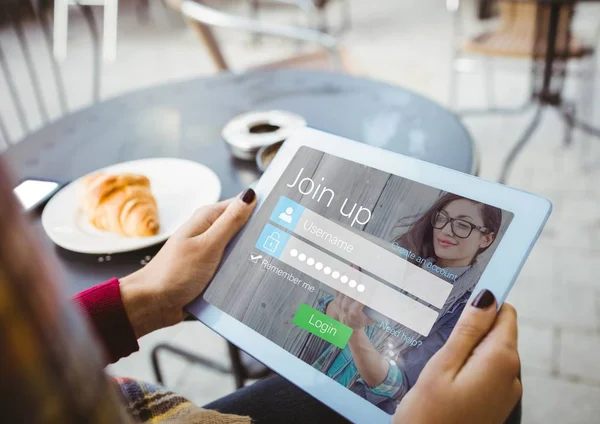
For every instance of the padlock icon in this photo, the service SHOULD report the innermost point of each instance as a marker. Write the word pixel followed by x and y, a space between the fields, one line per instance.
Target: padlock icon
pixel 272 242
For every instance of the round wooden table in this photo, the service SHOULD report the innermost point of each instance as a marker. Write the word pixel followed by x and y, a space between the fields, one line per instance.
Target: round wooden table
pixel 185 120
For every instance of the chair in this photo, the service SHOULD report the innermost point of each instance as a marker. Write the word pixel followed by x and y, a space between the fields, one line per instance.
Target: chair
pixel 316 10
pixel 202 19
pixel 515 37
pixel 535 30
pixel 25 18
pixel 243 367
pixel 61 25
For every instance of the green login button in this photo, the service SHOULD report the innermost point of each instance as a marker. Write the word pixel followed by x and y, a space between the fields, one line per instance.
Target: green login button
pixel 323 326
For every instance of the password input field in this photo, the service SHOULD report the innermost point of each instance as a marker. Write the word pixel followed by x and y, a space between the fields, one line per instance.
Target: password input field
pixel 365 254
pixel 359 286
pixel 347 280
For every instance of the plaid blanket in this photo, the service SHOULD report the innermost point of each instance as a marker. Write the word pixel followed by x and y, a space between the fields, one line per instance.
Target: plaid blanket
pixel 149 403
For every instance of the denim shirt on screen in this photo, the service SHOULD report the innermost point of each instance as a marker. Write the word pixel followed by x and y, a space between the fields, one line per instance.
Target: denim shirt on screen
pixel 399 378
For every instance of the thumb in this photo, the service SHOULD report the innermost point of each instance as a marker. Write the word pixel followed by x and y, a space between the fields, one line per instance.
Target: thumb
pixel 474 323
pixel 231 220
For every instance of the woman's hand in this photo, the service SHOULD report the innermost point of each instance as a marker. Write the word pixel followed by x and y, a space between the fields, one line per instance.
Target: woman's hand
pixel 473 377
pixel 349 312
pixel 155 295
pixel 372 366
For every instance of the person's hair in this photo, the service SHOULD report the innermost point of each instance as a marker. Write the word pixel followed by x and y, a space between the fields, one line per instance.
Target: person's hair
pixel 50 366
pixel 419 238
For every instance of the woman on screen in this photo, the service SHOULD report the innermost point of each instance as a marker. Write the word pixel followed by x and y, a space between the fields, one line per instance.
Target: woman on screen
pixel 446 240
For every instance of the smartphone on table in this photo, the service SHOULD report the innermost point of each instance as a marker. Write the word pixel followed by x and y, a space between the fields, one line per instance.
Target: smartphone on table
pixel 33 193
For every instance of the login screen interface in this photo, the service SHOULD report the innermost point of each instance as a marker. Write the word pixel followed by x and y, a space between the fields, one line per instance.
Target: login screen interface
pixel 343 261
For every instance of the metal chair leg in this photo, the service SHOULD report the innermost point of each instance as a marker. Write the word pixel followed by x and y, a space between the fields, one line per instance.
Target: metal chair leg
pixel 109 30
pixel 237 368
pixel 253 14
pixel 323 21
pixel 35 82
pixel 4 132
pixel 88 14
pixel 454 8
pixel 175 19
pixel 587 128
pixel 187 356
pixel 588 90
pixel 13 93
pixel 453 84
pixel 570 117
pixel 61 25
pixel 568 113
pixel 142 11
pixel 496 110
pixel 520 144
pixel 346 16
pixel 56 73
pixel 489 83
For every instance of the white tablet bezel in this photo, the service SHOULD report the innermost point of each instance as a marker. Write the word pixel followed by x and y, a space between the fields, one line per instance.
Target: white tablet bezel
pixel 530 214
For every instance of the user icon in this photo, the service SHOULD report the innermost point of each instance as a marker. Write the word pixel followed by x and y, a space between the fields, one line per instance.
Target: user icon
pixel 287 215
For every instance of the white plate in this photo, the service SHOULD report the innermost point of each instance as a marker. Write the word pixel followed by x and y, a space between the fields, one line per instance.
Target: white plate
pixel 179 186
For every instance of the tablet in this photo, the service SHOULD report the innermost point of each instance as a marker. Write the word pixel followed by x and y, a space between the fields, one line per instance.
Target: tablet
pixel 357 255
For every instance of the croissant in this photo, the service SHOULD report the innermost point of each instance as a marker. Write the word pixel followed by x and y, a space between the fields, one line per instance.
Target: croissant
pixel 122 204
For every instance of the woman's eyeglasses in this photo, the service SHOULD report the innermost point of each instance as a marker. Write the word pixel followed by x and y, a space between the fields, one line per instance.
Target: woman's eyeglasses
pixel 460 227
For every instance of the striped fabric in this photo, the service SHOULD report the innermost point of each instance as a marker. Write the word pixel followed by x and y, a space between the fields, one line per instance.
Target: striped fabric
pixel 149 403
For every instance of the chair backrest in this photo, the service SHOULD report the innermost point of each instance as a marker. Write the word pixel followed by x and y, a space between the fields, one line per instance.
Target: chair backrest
pixel 203 18
pixel 32 89
pixel 517 13
pixel 50 366
pixel 533 17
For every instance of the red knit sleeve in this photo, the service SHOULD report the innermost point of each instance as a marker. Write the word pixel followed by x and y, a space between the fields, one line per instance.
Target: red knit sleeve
pixel 104 307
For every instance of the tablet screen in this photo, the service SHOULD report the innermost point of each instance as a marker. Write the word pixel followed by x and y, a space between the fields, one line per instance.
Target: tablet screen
pixel 358 272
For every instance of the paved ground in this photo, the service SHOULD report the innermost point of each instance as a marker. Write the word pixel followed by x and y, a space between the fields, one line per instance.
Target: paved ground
pixel 407 43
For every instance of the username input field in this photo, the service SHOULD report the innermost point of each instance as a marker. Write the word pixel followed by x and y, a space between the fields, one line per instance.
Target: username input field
pixel 345 279
pixel 361 252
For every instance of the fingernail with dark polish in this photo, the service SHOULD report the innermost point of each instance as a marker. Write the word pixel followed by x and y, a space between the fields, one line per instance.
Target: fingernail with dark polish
pixel 248 196
pixel 484 299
